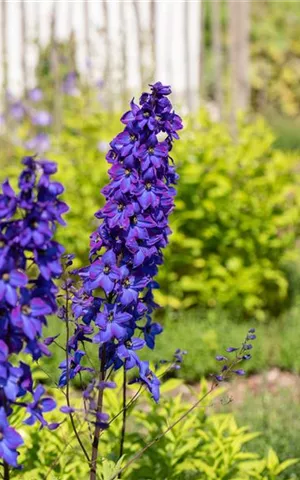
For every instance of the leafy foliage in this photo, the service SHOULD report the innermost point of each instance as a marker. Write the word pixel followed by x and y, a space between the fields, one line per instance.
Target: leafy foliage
pixel 204 446
pixel 236 221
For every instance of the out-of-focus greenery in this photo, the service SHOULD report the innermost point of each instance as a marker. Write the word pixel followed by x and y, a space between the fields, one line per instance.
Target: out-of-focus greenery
pixel 205 445
pixel 275 56
pixel 205 334
pixel 237 211
pixel 236 220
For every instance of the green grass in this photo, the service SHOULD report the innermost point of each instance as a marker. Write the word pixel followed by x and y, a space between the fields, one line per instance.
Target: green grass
pixel 206 334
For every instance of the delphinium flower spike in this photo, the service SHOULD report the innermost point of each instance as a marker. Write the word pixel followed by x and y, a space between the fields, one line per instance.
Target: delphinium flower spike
pixel 29 262
pixel 116 296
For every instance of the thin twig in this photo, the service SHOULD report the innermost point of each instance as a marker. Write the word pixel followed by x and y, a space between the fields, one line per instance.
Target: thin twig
pixel 123 431
pixel 6 471
pixel 68 378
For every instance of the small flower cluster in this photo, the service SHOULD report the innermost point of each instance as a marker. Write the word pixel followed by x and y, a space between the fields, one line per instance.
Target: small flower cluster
pixel 126 249
pixel 241 354
pixel 39 118
pixel 29 262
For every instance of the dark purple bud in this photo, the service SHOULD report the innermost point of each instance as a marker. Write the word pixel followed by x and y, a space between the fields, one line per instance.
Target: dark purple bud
pixel 103 385
pixel 220 358
pixel 219 378
pixel 231 349
pixel 239 372
pixel 246 357
pixel 252 330
pixel 251 337
pixel 67 409
pixel 50 340
pixel 247 346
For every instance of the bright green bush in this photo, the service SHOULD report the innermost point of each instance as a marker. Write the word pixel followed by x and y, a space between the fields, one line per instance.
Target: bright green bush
pixel 236 221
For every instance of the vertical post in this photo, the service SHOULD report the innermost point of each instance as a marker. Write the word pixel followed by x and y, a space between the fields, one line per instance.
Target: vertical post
pixel 140 42
pixel 202 12
pixel 187 67
pixel 4 56
pixel 72 41
pixel 217 54
pixel 24 46
pixel 239 55
pixel 87 40
pixel 153 39
pixel 55 72
pixel 124 80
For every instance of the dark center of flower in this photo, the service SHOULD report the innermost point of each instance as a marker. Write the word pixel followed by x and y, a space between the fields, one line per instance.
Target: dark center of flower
pixel 126 282
pixel 35 224
pixel 127 172
pixel 150 149
pixel 2 244
pixel 26 309
pixel 106 269
pixel 128 344
pixel 148 186
pixel 114 155
pixel 149 376
pixel 120 207
pixel 110 317
pixel 158 117
pixel 132 138
pixel 1 435
pixel 135 220
pixel 146 114
pixel 5 277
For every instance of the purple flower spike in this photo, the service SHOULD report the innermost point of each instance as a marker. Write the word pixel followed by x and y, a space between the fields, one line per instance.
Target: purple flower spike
pixel 116 295
pixel 27 226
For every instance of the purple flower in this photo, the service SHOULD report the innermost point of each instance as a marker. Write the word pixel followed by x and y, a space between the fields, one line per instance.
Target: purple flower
pixel 40 143
pixel 41 118
pixel 111 322
pixel 10 440
pixel 104 272
pixel 150 380
pixel 150 331
pixel 8 201
pixel 17 111
pixel 131 285
pixel 69 86
pixel 35 94
pixel 39 406
pixel 9 283
pixel 74 367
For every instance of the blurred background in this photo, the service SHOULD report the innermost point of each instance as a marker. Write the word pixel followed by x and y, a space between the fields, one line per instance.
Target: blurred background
pixel 69 69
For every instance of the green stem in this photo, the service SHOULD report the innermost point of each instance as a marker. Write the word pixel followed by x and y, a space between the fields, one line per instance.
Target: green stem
pixel 123 432
pixel 95 445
